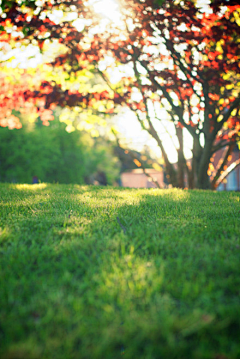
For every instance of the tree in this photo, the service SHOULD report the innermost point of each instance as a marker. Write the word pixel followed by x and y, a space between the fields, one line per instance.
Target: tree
pixel 13 85
pixel 53 155
pixel 179 55
pixel 188 59
pixel 29 22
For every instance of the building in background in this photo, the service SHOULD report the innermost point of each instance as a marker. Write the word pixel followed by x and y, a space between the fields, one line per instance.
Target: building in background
pixel 136 178
pixel 232 181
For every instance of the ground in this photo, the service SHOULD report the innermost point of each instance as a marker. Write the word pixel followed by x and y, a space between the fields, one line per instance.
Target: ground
pixel 92 272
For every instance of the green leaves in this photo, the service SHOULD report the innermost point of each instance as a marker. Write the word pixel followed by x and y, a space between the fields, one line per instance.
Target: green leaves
pixel 53 155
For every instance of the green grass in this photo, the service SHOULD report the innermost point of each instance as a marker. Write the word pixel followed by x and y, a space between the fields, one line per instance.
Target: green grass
pixel 89 272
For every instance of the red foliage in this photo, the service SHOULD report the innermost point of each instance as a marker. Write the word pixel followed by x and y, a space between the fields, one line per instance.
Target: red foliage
pixel 200 47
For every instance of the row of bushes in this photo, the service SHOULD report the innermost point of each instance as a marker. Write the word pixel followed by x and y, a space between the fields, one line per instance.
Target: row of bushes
pixel 53 155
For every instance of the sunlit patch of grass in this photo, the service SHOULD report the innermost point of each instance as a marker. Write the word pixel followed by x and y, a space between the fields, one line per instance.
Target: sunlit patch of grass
pixel 90 272
pixel 33 187
pixel 5 235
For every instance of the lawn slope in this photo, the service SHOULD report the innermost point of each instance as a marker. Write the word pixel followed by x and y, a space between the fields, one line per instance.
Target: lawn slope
pixel 90 272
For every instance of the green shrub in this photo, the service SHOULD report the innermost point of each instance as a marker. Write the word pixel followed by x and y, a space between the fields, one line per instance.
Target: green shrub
pixel 52 155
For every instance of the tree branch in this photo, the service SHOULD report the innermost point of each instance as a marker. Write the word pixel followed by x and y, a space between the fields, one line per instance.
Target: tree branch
pixel 227 113
pixel 227 172
pixel 222 165
pixel 178 111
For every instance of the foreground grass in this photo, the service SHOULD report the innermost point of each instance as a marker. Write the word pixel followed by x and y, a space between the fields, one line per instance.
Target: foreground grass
pixel 87 272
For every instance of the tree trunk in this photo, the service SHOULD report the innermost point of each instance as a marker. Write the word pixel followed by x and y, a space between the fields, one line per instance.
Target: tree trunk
pixel 181 159
pixel 203 180
pixel 170 170
pixel 196 157
pixel 191 182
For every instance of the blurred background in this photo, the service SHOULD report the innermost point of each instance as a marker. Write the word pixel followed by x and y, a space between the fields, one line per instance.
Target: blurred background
pixel 36 153
pixel 105 92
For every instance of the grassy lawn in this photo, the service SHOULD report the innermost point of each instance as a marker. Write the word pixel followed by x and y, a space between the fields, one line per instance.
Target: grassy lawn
pixel 89 272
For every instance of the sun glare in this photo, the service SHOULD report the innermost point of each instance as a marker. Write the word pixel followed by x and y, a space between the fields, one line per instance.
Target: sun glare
pixel 108 9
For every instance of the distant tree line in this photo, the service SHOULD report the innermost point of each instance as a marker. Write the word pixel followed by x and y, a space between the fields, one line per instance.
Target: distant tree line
pixel 50 154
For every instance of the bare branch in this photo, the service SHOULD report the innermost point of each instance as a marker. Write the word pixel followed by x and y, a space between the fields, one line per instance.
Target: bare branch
pixel 231 168
pixel 227 112
pixel 177 110
pixel 222 165
pixel 221 144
